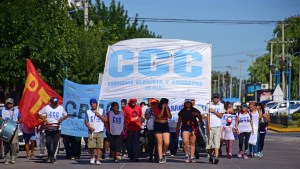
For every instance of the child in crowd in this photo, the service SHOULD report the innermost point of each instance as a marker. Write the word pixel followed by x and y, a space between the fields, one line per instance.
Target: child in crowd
pixel 228 137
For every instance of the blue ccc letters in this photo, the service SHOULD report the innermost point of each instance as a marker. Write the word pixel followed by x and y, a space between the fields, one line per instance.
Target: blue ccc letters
pixel 144 63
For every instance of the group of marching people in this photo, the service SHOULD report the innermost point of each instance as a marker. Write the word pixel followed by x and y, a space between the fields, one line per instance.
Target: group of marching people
pixel 123 125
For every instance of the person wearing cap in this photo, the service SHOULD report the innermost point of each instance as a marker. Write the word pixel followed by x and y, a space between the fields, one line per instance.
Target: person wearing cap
pixel 215 111
pixel 189 127
pixel 133 118
pixel 149 116
pixel 13 114
pixel 94 121
pixel 52 115
pixel 244 128
pixel 228 136
pixel 161 128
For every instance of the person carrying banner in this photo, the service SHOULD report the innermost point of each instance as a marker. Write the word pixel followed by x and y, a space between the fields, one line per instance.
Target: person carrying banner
pixel 215 111
pixel 187 121
pixel 124 148
pixel 52 115
pixel 95 123
pixel 13 114
pixel 161 129
pixel 114 128
pixel 133 117
pixel 149 116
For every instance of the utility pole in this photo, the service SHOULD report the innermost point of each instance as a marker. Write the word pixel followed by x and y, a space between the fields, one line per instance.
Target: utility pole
pixel 230 86
pixel 86 15
pixel 223 85
pixel 218 83
pixel 271 63
pixel 215 85
pixel 240 86
pixel 283 57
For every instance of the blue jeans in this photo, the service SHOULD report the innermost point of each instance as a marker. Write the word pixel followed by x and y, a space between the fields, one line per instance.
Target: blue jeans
pixel 133 144
pixel 261 140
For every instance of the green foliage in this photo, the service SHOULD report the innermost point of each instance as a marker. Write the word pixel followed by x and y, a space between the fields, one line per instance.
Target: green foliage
pixel 259 71
pixel 57 42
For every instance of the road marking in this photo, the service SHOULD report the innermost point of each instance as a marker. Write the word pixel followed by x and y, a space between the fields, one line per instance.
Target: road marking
pixel 123 165
pixel 238 166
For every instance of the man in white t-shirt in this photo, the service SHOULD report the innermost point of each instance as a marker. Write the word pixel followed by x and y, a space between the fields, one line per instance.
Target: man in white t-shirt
pixel 95 123
pixel 215 111
pixel 52 115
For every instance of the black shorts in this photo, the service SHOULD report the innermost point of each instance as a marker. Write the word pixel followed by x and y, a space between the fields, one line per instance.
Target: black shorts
pixel 116 142
pixel 161 127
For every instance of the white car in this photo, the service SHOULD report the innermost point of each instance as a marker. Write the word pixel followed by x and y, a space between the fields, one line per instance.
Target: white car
pixel 293 108
pixel 281 108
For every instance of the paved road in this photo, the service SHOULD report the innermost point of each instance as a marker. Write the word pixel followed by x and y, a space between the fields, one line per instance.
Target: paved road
pixel 282 150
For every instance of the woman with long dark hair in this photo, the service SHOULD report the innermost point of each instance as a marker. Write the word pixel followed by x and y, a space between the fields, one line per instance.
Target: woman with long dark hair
pixel 188 124
pixel 114 128
pixel 161 128
pixel 262 129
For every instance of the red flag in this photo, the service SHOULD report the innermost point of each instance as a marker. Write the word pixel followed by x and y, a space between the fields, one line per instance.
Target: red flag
pixel 35 96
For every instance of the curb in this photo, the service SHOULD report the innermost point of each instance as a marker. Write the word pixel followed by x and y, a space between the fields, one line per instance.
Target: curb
pixel 282 130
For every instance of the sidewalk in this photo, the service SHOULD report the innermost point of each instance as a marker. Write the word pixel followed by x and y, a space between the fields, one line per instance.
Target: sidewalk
pixel 282 129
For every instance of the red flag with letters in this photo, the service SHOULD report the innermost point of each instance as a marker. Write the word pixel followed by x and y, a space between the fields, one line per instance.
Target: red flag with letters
pixel 35 96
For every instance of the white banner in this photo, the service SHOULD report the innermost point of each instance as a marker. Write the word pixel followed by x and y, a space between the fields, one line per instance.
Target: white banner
pixel 157 68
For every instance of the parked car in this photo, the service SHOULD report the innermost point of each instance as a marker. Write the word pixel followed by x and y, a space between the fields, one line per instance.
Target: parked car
pixel 271 104
pixel 281 107
pixel 293 108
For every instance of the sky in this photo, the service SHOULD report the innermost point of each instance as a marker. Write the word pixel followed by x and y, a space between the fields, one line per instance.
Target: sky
pixel 230 42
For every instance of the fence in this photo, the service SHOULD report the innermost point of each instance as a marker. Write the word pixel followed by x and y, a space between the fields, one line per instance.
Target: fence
pixel 279 119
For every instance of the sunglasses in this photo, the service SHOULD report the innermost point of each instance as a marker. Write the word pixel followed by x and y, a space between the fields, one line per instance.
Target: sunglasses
pixel 8 103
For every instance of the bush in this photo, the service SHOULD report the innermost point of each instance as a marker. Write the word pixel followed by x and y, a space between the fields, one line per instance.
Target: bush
pixel 296 116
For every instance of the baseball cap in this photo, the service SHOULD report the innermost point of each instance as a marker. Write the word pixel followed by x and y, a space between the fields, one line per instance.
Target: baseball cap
pixel 54 100
pixel 244 106
pixel 132 100
pixel 229 119
pixel 153 101
pixel 9 100
pixel 187 100
pixel 93 100
pixel 216 95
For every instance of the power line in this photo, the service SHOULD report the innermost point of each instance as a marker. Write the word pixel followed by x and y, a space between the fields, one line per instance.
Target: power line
pixel 206 21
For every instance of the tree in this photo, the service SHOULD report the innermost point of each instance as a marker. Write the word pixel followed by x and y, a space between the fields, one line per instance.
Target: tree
pixel 39 30
pixel 259 70
pixel 56 41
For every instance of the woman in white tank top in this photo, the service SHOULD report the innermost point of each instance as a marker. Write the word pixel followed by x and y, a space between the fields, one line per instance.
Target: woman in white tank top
pixel 253 138
pixel 244 127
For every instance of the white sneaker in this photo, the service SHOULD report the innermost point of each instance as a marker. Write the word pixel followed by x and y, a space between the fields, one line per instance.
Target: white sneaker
pixel 92 161
pixel 98 162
